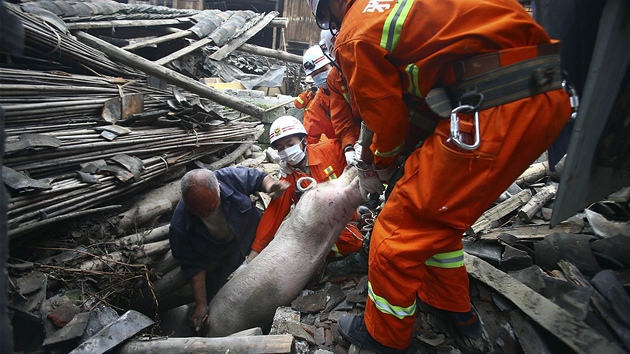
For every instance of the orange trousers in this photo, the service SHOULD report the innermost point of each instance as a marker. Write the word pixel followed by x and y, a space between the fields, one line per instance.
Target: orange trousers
pixel 443 191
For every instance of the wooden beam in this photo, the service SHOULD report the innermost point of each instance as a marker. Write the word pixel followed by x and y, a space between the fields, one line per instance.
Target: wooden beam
pixel 279 343
pixel 180 53
pixel 271 53
pixel 171 76
pixel 157 40
pixel 529 232
pixel 240 40
pixel 497 212
pixel 126 23
pixel 278 22
pixel 571 331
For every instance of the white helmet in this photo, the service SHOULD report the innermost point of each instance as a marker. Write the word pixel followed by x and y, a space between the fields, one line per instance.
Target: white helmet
pixel 314 59
pixel 285 126
pixel 320 22
pixel 327 40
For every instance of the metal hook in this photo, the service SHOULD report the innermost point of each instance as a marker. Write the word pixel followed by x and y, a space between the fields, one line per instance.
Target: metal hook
pixel 455 134
pixel 311 185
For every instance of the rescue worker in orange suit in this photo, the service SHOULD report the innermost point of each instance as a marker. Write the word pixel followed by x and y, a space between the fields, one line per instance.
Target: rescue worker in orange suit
pixel 393 54
pixel 317 114
pixel 320 161
pixel 304 99
pixel 347 123
pixel 343 115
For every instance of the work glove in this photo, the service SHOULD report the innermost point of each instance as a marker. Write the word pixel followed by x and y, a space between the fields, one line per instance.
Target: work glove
pixel 277 189
pixel 240 268
pixel 285 169
pixel 351 157
pixel 357 150
pixel 385 174
pixel 368 180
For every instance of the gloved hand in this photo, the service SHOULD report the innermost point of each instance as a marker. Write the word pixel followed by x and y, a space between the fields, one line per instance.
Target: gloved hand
pixel 351 156
pixel 384 174
pixel 277 189
pixel 240 268
pixel 368 181
pixel 357 150
pixel 285 169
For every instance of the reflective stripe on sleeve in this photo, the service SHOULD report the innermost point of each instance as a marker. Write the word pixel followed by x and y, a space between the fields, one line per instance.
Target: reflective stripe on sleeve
pixel 453 259
pixel 385 307
pixel 393 152
pixel 394 23
pixel 412 75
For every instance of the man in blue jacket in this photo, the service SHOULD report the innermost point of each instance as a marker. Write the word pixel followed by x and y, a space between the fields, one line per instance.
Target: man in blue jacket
pixel 213 227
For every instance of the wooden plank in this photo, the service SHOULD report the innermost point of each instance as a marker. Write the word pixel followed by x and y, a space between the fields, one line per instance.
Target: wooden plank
pixel 282 343
pixel 140 63
pixel 237 42
pixel 529 232
pixel 497 212
pixel 571 331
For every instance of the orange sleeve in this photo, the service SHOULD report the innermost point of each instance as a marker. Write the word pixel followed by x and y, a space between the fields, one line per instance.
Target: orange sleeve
pixel 346 124
pixel 273 216
pixel 317 118
pixel 377 92
pixel 302 100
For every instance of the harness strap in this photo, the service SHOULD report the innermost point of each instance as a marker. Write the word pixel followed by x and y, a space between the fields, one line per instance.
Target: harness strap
pixel 503 85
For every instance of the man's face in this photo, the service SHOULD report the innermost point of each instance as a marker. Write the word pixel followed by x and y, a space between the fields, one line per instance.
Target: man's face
pixel 203 202
pixel 330 14
pixel 286 142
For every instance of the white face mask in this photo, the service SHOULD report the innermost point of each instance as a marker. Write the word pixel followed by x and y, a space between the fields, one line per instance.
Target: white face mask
pixel 319 80
pixel 292 155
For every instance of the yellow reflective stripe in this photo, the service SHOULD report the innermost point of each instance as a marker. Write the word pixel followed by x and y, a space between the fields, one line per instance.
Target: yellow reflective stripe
pixel 395 151
pixel 385 307
pixel 336 250
pixel 394 23
pixel 453 259
pixel 346 97
pixel 412 74
pixel 300 99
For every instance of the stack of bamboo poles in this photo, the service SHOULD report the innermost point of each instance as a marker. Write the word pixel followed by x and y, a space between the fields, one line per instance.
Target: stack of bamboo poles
pixel 45 41
pixel 68 108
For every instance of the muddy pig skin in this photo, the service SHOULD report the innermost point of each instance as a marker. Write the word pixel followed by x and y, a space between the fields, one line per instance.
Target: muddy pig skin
pixel 279 273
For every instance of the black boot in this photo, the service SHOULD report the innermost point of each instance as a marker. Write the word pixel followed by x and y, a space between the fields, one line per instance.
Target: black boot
pixel 355 263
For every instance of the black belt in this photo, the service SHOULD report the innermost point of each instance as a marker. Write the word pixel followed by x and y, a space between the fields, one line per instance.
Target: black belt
pixel 499 86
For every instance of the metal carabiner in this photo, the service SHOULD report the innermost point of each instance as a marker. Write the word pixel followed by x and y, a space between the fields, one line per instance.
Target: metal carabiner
pixel 455 134
pixel 311 185
pixel 574 99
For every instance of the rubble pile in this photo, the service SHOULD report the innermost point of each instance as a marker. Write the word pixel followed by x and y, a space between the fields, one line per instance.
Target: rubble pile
pixel 538 290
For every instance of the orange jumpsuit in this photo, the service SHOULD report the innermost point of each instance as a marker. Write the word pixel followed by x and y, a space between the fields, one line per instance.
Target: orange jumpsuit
pixel 303 100
pixel 344 116
pixel 392 52
pixel 325 162
pixel 317 118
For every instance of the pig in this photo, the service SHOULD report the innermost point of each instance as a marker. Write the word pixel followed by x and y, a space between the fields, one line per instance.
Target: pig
pixel 279 273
